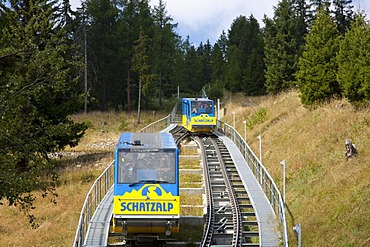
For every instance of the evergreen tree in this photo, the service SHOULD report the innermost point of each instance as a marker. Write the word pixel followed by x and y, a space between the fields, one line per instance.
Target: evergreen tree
pixel 354 62
pixel 245 65
pixel 134 15
pixel 36 98
pixel 218 64
pixel 140 64
pixel 102 16
pixel 204 54
pixel 191 79
pixel 302 15
pixel 164 50
pixel 253 73
pixel 127 33
pixel 222 42
pixel 233 72
pixel 316 77
pixel 343 14
pixel 281 48
pixel 236 56
pixel 320 4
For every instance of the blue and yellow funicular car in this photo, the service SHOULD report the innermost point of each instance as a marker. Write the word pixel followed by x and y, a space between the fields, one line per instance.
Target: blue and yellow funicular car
pixel 146 184
pixel 198 115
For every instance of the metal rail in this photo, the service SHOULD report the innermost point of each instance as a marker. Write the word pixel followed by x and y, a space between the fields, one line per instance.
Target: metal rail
pixel 237 221
pixel 224 221
pixel 97 192
pixel 210 216
pixel 263 177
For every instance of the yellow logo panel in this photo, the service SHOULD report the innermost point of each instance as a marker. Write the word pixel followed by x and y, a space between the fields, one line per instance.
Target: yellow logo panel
pixel 149 199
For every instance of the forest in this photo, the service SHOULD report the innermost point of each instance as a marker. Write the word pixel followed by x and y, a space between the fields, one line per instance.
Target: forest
pixel 124 55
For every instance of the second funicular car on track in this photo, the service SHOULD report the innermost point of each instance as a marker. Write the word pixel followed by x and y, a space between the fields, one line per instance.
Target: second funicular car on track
pixel 198 115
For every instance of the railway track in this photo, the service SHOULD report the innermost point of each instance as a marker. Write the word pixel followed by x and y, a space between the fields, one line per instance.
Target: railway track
pixel 230 219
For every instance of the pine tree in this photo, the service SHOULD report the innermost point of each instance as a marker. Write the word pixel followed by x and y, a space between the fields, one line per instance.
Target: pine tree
pixel 302 14
pixel 36 98
pixel 204 54
pixel 354 62
pixel 218 63
pixel 236 56
pixel 343 14
pixel 282 48
pixel 192 83
pixel 316 77
pixel 164 51
pixel 320 4
pixel 233 72
pixel 102 16
pixel 245 66
pixel 141 65
pixel 253 72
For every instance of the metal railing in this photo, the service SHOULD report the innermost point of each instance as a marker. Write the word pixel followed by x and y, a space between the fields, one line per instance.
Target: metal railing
pixel 262 176
pixel 96 194
pixel 162 123
pixel 157 125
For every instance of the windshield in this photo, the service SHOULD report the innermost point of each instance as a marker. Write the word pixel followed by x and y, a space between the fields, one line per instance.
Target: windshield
pixel 148 167
pixel 201 106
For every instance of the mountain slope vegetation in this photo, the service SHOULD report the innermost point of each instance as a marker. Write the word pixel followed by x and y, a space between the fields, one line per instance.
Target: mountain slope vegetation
pixel 328 195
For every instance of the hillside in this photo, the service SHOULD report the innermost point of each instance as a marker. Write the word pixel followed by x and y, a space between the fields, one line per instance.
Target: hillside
pixel 80 167
pixel 328 195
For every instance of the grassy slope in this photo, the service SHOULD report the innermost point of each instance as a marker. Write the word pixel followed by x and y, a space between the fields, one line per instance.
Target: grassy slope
pixel 58 222
pixel 328 195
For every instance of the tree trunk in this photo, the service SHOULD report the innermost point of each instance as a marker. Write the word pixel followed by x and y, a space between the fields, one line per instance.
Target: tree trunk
pixel 139 104
pixel 160 88
pixel 128 91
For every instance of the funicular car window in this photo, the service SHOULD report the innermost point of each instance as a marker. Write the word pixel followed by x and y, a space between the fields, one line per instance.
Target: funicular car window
pixel 156 166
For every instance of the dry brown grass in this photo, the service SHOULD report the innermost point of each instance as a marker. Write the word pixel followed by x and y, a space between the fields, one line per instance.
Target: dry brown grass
pixel 189 163
pixel 106 127
pixel 328 195
pixel 58 222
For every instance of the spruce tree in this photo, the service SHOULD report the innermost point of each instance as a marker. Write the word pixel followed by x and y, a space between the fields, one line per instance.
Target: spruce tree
pixel 192 83
pixel 102 16
pixel 164 51
pixel 236 56
pixel 218 64
pixel 253 72
pixel 343 14
pixel 141 65
pixel 282 48
pixel 36 97
pixel 204 54
pixel 316 77
pixel 354 62
pixel 245 65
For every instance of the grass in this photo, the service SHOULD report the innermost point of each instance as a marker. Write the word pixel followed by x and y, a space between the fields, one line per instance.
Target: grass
pixel 328 195
pixel 79 167
pixel 189 163
pixel 57 222
pixel 191 180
